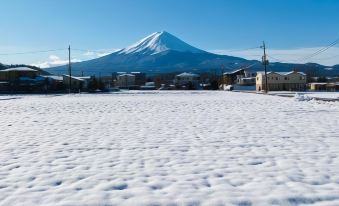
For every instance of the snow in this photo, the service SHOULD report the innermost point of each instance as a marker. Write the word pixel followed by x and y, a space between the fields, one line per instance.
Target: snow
pixel 326 95
pixel 302 97
pixel 168 148
pixel 332 95
pixel 281 73
pixel 188 74
pixel 159 42
pixel 24 69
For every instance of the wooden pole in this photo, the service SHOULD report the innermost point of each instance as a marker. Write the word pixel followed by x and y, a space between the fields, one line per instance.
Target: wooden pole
pixel 69 69
pixel 265 65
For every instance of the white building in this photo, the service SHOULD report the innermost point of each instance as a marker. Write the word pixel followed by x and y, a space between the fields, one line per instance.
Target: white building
pixel 125 80
pixel 281 81
pixel 187 79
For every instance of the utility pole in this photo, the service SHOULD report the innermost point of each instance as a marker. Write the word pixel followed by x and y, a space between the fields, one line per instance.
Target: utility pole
pixel 222 77
pixel 69 70
pixel 265 63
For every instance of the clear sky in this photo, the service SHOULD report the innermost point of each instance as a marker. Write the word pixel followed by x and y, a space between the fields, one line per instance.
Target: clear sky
pixel 292 26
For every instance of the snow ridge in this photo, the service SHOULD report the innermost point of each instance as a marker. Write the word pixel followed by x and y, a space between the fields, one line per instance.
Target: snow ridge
pixel 159 42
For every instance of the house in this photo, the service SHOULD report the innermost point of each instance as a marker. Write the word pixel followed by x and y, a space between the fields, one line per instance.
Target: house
pixel 246 79
pixel 281 81
pixel 54 82
pixel 125 80
pixel 13 74
pixel 324 86
pixel 187 80
pixel 107 81
pixel 230 78
pixel 21 79
pixel 77 83
pixel 148 86
pixel 140 78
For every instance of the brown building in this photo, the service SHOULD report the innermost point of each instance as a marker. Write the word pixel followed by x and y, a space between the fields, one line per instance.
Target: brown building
pixel 13 74
pixel 324 86
pixel 230 78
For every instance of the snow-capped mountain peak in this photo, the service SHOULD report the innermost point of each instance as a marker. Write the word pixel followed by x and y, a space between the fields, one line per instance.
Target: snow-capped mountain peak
pixel 159 42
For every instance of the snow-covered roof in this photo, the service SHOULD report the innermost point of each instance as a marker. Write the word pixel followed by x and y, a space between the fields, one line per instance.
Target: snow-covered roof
pixel 281 73
pixel 319 83
pixel 324 83
pixel 85 77
pixel 249 78
pixel 74 77
pixel 188 74
pixel 129 75
pixel 233 72
pixel 24 69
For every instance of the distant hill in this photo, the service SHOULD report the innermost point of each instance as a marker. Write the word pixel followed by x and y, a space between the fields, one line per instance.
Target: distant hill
pixel 159 52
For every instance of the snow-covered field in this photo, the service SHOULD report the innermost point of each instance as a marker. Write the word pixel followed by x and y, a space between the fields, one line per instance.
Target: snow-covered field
pixel 326 95
pixel 168 148
pixel 332 95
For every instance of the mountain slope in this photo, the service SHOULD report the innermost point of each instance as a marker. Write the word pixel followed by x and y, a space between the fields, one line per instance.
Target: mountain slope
pixel 161 52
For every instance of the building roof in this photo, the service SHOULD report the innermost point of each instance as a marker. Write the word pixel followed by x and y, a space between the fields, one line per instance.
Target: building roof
pixel 249 78
pixel 281 73
pixel 76 78
pixel 324 83
pixel 234 72
pixel 188 74
pixel 319 83
pixel 130 75
pixel 24 69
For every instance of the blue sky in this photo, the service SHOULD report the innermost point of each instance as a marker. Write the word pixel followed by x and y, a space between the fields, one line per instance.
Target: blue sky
pixel 288 26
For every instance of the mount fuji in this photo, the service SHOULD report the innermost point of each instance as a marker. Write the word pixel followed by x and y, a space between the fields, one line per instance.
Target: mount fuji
pixel 161 52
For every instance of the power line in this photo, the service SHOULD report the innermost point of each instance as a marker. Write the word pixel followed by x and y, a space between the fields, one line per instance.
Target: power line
pixel 277 59
pixel 31 52
pixel 319 51
pixel 331 57
pixel 98 50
